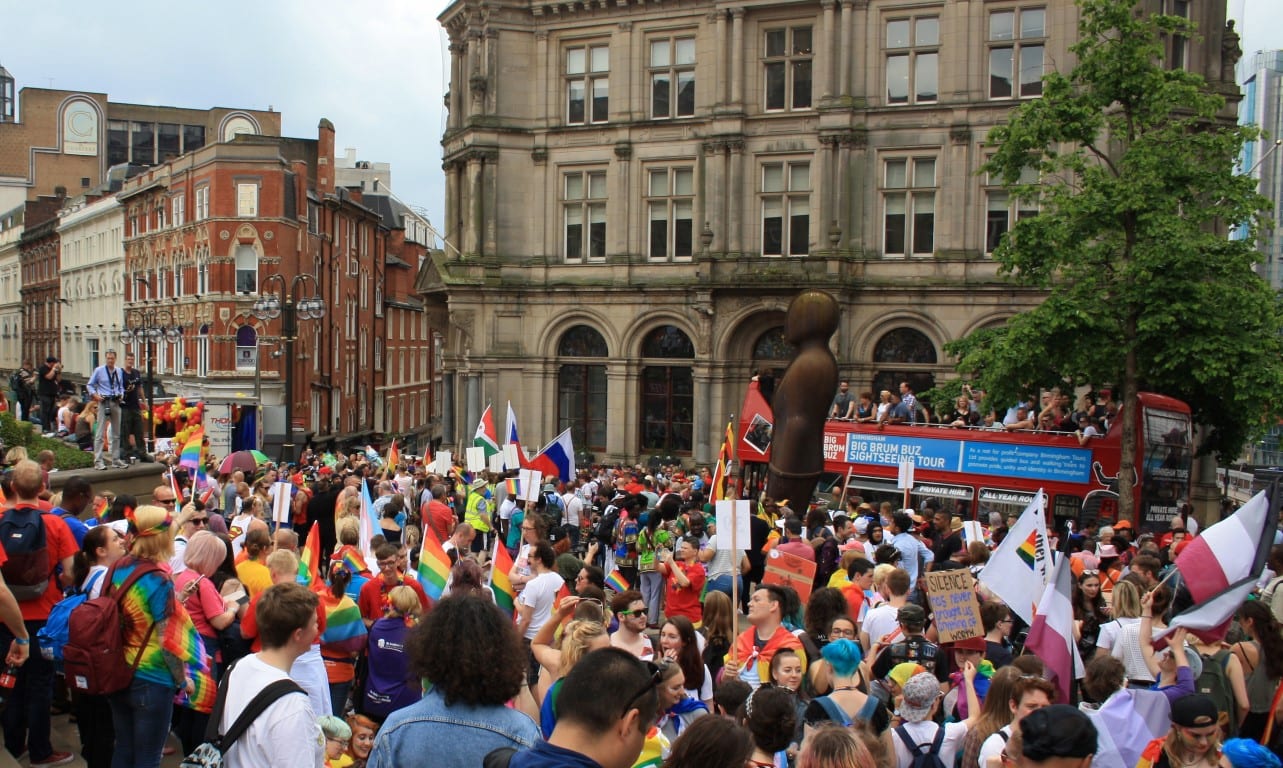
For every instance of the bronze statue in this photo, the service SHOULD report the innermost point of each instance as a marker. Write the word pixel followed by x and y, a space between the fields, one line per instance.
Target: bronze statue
pixel 802 399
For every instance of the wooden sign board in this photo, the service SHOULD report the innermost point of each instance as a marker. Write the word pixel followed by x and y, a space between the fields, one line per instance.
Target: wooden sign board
pixel 790 571
pixel 954 607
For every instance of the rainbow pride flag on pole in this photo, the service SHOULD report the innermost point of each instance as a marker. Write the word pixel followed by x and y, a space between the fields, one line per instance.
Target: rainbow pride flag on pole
pixel 434 565
pixel 190 457
pixel 504 595
pixel 616 581
pixel 309 561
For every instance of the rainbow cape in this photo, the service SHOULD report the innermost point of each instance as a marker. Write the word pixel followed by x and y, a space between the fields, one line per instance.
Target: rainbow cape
pixel 309 560
pixel 434 565
pixel 351 559
pixel 504 595
pixel 344 630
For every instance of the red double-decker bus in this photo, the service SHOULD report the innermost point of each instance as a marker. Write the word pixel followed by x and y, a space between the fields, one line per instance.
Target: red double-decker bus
pixel 997 470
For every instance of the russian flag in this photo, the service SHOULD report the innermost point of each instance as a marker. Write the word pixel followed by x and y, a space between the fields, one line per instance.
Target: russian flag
pixel 557 458
pixel 510 436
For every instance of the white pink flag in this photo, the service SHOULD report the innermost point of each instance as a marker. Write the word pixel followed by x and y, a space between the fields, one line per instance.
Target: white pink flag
pixel 1020 568
pixel 1051 635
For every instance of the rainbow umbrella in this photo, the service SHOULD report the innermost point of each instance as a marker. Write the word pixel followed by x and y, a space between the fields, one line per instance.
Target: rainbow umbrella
pixel 245 461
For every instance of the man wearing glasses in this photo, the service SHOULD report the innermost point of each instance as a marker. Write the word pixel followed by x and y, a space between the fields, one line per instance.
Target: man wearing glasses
pixel 373 600
pixel 631 635
pixel 590 733
pixel 189 522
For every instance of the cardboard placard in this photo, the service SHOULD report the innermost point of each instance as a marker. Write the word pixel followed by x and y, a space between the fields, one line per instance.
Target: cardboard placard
pixel 530 484
pixel 972 531
pixel 443 463
pixel 476 456
pixel 790 571
pixel 954 608
pixel 731 512
pixel 511 457
pixel 495 463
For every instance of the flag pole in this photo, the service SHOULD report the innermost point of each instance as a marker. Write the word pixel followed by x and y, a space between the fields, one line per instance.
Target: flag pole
pixel 845 484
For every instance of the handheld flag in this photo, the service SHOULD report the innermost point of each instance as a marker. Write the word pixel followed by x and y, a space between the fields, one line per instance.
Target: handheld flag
pixel 366 521
pixel 487 438
pixel 616 581
pixel 557 458
pixel 100 507
pixel 1020 568
pixel 722 470
pixel 309 561
pixel 504 595
pixel 1051 637
pixel 394 456
pixel 190 457
pixel 434 565
pixel 510 433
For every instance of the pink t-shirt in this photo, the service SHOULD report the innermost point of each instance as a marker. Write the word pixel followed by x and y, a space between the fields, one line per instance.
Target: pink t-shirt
pixel 203 603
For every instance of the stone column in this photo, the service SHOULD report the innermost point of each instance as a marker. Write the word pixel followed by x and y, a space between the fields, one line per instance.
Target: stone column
pixel 474 72
pixel 703 413
pixel 458 83
pixel 827 179
pixel 472 402
pixel 715 190
pixel 722 79
pixel 619 217
pixel 828 54
pixel 844 61
pixel 490 202
pixel 621 408
pixel 735 195
pixel 737 58
pixel 475 212
pixel 544 80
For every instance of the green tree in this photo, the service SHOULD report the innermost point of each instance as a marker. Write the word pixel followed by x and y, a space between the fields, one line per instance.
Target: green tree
pixel 1136 189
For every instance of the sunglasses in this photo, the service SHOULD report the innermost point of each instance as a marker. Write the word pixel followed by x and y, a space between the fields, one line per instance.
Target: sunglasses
pixel 656 675
pixel 630 612
pixel 165 501
pixel 200 521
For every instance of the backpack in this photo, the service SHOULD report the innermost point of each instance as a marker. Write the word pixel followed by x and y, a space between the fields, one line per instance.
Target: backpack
pixel 94 655
pixel 18 383
pixel 210 753
pixel 499 758
pixel 28 569
pixel 929 758
pixel 604 531
pixel 1214 681
pixel 53 635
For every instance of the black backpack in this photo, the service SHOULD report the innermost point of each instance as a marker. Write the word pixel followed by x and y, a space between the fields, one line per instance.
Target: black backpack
pixel 28 569
pixel 210 753
pixel 929 758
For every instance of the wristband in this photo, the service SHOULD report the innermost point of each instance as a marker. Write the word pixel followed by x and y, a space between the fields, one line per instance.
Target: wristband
pixel 22 640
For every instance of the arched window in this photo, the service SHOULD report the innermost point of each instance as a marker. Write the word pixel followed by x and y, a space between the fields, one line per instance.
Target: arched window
pixel 246 348
pixel 773 346
pixel 906 356
pixel 668 392
pixel 581 387
pixel 246 269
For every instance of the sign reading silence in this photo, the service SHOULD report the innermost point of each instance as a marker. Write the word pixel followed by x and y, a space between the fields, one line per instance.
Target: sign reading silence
pixel 954 608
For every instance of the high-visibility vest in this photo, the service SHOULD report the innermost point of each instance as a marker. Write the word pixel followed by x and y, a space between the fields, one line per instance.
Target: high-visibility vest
pixel 477 513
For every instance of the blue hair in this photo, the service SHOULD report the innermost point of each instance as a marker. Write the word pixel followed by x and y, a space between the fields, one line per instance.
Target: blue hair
pixel 843 655
pixel 1245 753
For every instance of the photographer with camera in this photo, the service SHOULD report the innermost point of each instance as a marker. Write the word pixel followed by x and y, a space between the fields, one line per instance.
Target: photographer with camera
pixel 107 388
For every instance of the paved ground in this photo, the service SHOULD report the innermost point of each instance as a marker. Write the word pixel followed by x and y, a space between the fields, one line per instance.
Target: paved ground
pixel 67 739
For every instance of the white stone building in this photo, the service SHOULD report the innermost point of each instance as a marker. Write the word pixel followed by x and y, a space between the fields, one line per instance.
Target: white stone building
pixel 10 298
pixel 92 265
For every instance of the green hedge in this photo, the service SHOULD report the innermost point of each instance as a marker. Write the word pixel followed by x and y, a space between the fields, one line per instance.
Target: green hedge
pixel 67 456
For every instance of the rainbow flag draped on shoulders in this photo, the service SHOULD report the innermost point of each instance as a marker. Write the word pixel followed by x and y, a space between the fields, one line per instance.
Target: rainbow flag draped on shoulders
pixel 344 630
pixel 351 558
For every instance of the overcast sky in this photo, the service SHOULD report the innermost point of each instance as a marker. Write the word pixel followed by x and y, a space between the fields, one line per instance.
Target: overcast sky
pixel 375 69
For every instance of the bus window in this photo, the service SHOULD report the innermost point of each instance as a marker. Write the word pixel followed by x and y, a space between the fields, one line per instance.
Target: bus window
pixel 1165 471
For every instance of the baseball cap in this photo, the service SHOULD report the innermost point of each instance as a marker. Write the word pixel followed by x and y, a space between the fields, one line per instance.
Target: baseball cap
pixel 1121 524
pixel 911 614
pixel 920 693
pixel 51 359
pixel 862 525
pixel 1196 710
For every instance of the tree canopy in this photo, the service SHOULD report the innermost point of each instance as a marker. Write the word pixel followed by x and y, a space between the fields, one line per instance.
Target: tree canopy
pixel 1137 191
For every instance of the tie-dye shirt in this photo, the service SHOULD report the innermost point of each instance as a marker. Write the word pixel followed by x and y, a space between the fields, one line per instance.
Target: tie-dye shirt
pixel 151 600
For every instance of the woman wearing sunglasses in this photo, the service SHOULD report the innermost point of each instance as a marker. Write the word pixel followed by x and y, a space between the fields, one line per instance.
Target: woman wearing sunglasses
pixel 581 637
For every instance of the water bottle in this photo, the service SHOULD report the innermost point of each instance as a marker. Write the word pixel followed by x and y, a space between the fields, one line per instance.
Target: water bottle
pixel 9 678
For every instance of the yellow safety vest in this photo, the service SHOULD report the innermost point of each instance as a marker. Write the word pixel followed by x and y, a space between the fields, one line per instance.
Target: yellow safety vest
pixel 477 512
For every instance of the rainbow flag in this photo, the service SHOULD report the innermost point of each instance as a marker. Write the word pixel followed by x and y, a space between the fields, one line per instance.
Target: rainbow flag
pixel 344 630
pixel 101 507
pixel 309 561
pixel 351 559
pixel 1028 551
pixel 394 457
pixel 434 565
pixel 504 595
pixel 514 487
pixel 722 470
pixel 190 457
pixel 616 581
pixel 562 594
pixel 177 489
pixel 206 691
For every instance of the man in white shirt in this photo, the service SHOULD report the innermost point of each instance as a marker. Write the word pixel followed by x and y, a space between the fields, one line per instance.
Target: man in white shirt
pixel 881 624
pixel 286 734
pixel 574 504
pixel 535 603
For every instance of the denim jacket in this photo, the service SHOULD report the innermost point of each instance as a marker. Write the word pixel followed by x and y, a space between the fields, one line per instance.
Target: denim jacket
pixel 464 734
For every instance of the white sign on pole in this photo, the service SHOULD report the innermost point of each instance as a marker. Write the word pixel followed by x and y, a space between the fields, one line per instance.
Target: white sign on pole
pixel 511 459
pixel 530 484
pixel 444 464
pixel 476 459
pixel 732 517
pixel 972 531
pixel 495 461
pixel 280 494
pixel 904 480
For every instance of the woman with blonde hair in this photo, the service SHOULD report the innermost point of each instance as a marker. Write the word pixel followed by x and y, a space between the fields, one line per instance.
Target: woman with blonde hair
pixel 1194 740
pixel 1125 608
pixel 834 746
pixel 388 687
pixel 580 637
pixel 164 657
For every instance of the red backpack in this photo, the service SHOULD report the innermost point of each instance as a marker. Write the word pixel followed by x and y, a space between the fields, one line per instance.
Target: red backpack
pixel 94 656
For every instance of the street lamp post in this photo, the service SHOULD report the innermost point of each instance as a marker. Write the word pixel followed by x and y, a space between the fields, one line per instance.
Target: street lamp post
pixel 268 306
pixel 147 325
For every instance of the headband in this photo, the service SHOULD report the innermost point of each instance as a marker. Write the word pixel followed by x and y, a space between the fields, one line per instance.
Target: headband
pixel 155 530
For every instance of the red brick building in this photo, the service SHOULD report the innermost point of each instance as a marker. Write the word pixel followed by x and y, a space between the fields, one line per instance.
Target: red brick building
pixel 38 255
pixel 203 234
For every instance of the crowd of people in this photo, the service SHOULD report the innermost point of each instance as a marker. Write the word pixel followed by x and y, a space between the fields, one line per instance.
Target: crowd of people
pixel 606 622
